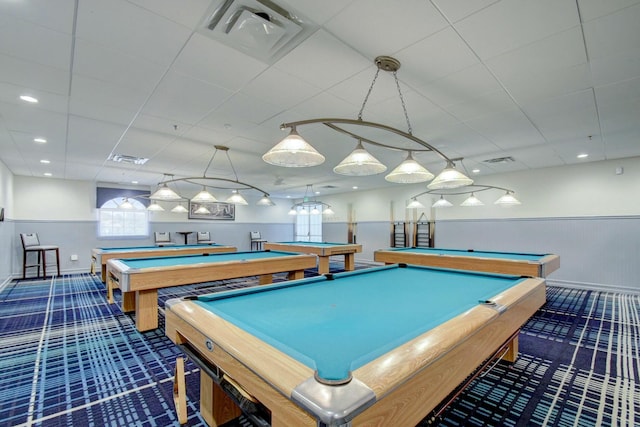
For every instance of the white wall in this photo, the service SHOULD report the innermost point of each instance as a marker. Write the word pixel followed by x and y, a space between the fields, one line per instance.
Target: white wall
pixel 588 189
pixel 6 191
pixel 6 227
pixel 66 210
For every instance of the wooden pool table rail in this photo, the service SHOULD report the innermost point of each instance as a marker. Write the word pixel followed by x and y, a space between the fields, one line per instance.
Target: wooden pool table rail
pixel 468 261
pixel 408 382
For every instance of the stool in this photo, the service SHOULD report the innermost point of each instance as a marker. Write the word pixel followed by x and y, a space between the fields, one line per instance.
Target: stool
pixel 31 243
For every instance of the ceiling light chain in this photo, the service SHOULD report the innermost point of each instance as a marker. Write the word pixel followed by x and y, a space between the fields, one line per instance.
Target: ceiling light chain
pixel 310 206
pixel 165 193
pixel 294 151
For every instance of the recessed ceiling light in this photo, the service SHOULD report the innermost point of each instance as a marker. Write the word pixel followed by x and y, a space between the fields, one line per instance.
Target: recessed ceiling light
pixel 134 182
pixel 28 98
pixel 582 156
pixel 355 187
pixel 317 192
pixel 45 161
pixel 47 174
pixel 40 140
pixel 476 171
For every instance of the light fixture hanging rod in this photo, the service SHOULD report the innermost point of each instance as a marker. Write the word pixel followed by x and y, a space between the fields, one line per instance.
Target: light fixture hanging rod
pixel 190 180
pixel 330 123
pixel 474 188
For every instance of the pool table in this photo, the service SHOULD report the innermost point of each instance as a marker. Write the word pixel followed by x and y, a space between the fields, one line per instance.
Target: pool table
pixel 536 265
pixel 379 346
pixel 100 256
pixel 324 250
pixel 140 278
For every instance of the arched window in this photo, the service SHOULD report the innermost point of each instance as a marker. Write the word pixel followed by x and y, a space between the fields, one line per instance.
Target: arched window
pixel 116 221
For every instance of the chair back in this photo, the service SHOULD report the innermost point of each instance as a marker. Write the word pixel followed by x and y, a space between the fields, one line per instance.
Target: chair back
pixel 203 236
pixel 255 235
pixel 162 237
pixel 29 239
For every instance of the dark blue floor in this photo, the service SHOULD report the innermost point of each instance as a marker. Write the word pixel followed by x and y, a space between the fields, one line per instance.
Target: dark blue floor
pixel 68 358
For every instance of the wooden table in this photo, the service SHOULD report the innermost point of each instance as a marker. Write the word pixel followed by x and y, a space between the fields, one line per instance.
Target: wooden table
pixel 381 346
pixel 140 278
pixel 324 250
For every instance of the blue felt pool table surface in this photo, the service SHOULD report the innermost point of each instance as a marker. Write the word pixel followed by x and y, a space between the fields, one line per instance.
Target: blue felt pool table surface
pixel 169 261
pixel 361 314
pixel 473 253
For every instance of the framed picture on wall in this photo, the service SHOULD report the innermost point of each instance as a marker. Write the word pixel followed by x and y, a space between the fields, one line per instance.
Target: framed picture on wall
pixel 216 210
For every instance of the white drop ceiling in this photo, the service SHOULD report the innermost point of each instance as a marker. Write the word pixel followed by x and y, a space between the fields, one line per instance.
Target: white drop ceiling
pixel 540 81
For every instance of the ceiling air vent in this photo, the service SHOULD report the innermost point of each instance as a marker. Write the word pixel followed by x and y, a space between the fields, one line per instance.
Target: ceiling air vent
pixel 259 28
pixel 507 159
pixel 121 158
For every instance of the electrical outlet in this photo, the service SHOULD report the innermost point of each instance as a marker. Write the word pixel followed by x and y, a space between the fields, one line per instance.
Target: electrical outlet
pixel 74 257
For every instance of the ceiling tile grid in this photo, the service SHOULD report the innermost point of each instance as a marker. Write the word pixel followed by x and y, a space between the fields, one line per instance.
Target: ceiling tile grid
pixel 481 79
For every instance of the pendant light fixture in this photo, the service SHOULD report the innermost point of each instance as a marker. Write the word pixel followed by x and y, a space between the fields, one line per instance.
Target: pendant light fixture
pixel 294 151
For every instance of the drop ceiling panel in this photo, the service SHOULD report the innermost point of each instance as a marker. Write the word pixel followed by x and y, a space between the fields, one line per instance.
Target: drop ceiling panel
pixel 114 67
pixel 613 46
pixel 56 15
pixel 552 116
pixel 25 74
pixel 507 129
pixel 245 109
pixel 426 60
pixel 591 9
pixel 280 88
pixel 455 10
pixel 378 23
pixel 489 103
pixel 185 99
pixel 323 60
pixel 558 64
pixel 23 40
pixel 93 138
pixel 130 29
pixel 212 62
pixel 461 86
pixel 176 11
pixel 48 101
pixel 34 121
pixel 510 24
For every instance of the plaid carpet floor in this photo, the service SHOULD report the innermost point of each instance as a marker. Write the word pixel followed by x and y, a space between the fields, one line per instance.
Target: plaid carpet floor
pixel 68 358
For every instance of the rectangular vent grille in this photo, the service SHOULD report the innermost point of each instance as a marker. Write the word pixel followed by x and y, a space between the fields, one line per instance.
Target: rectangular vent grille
pixel 122 158
pixel 507 159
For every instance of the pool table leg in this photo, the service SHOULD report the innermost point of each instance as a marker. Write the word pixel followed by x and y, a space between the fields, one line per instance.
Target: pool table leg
pixel 323 264
pixel 349 262
pixel 216 407
pixel 266 279
pixel 512 351
pixel 295 275
pixel 146 310
pixel 128 302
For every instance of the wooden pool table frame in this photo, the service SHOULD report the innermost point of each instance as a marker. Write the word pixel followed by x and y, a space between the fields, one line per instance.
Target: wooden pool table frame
pixel 140 287
pixel 102 255
pixel 472 261
pixel 407 383
pixel 322 250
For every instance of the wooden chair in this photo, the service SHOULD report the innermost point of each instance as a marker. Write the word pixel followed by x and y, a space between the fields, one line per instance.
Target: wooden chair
pixel 163 238
pixel 31 243
pixel 256 240
pixel 204 238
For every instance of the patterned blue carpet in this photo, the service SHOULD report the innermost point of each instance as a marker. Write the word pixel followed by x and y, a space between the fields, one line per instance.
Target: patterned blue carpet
pixel 68 358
